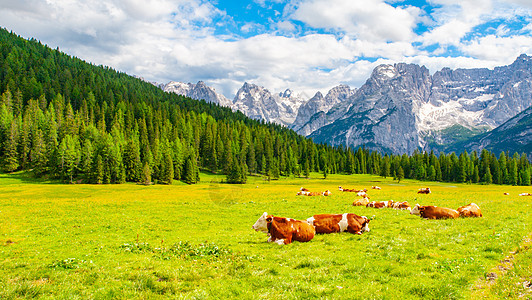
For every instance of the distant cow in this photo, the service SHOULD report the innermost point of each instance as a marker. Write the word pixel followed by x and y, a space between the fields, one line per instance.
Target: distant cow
pixel 434 212
pixel 525 194
pixel 401 205
pixel 470 210
pixel 362 194
pixel 314 194
pixel 424 191
pixel 376 187
pixel 330 223
pixel 284 230
pixel 380 204
pixel 506 194
pixel 302 193
pixel 327 193
pixel 303 189
pixel 351 190
pixel 361 202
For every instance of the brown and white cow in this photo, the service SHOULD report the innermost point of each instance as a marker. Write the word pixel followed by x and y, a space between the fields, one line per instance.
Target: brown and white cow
pixel 506 194
pixel 380 204
pixel 402 205
pixel 361 202
pixel 376 187
pixel 470 210
pixel 434 212
pixel 327 193
pixel 284 230
pixel 525 194
pixel 362 194
pixel 330 223
pixel 302 193
pixel 351 190
pixel 314 194
pixel 424 191
pixel 304 189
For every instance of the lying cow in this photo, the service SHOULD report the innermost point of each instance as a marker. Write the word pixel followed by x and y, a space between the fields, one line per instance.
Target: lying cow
pixel 506 194
pixel 376 187
pixel 361 202
pixel 470 210
pixel 402 205
pixel 329 223
pixel 434 212
pixel 424 191
pixel 362 194
pixel 525 194
pixel 284 230
pixel 327 193
pixel 351 190
pixel 302 193
pixel 304 189
pixel 380 204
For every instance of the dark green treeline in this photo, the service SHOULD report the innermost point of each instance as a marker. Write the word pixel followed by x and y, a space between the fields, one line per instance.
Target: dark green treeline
pixel 64 118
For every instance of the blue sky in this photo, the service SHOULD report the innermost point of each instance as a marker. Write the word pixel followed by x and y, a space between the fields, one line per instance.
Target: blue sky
pixel 304 45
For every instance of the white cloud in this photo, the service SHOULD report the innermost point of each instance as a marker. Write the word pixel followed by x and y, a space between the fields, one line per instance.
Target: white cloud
pixel 499 49
pixel 372 20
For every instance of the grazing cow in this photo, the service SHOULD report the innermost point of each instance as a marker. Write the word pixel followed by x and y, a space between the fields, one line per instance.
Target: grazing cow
pixel 470 210
pixel 424 191
pixel 329 223
pixel 284 230
pixel 361 202
pixel 380 204
pixel 376 187
pixel 506 194
pixel 434 212
pixel 525 194
pixel 302 193
pixel 401 205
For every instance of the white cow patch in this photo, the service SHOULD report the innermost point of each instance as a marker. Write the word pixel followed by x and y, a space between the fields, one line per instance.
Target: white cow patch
pixel 415 210
pixel 366 227
pixel 311 221
pixel 280 242
pixel 343 223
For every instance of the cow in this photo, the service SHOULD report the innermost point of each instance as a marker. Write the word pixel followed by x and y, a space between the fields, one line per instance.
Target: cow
pixel 376 187
pixel 402 205
pixel 330 223
pixel 424 191
pixel 362 194
pixel 506 194
pixel 327 193
pixel 284 230
pixel 303 189
pixel 470 210
pixel 380 204
pixel 361 202
pixel 434 212
pixel 302 193
pixel 525 194
pixel 351 190
pixel 314 194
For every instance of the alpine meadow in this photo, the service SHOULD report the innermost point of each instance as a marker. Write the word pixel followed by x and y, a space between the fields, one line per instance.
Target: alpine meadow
pixel 112 188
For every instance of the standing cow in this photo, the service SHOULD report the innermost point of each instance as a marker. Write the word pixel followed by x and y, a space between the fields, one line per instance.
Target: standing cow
pixel 330 223
pixel 284 230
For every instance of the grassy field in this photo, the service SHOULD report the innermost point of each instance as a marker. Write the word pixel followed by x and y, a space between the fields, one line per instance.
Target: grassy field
pixel 195 242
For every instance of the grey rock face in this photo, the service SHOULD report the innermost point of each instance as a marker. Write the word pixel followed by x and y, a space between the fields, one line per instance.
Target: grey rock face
pixel 400 107
pixel 311 115
pixel 199 91
pixel 258 103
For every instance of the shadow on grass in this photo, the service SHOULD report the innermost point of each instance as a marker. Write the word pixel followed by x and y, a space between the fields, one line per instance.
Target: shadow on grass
pixel 28 177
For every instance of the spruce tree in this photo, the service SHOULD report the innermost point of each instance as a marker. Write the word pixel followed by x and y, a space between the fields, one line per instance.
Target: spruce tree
pixel 400 174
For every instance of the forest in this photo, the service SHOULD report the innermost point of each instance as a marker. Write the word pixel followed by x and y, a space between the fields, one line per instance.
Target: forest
pixel 63 118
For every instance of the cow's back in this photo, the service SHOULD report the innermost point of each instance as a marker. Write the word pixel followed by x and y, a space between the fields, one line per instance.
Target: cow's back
pixel 435 212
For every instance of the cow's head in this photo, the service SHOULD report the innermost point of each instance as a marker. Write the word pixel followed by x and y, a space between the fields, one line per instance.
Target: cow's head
pixel 365 224
pixel 262 223
pixel 416 210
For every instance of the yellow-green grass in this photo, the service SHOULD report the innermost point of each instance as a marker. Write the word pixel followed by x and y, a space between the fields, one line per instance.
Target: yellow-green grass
pixel 91 241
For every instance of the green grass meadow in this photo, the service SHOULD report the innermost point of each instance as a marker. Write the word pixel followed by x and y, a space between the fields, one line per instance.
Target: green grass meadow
pixel 195 241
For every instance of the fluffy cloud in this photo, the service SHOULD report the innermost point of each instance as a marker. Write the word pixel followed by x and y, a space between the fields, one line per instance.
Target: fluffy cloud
pixel 367 20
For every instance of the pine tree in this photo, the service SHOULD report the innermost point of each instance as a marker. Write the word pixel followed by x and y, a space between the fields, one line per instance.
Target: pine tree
pixel 512 172
pixel 146 174
pixel 400 174
pixel 99 170
pixel 306 169
pixel 10 159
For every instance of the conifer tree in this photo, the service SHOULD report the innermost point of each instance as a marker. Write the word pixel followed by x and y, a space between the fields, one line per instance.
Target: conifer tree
pixel 10 159
pixel 512 172
pixel 400 174
pixel 146 174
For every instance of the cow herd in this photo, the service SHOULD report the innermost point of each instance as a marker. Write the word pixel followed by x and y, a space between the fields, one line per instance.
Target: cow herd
pixel 285 230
